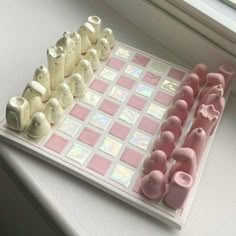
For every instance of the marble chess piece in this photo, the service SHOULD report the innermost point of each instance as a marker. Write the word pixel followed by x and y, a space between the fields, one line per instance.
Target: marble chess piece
pixel 77 39
pixel 95 21
pixel 85 70
pixel 108 34
pixel 103 49
pixel 77 85
pixel 92 57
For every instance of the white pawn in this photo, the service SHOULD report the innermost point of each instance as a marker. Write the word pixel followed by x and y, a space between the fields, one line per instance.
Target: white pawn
pixel 33 93
pixel 95 21
pixel 84 32
pixel 63 95
pixel 85 69
pixel 42 76
pixel 39 126
pixel 108 34
pixel 77 85
pixel 103 49
pixel 77 39
pixel 53 110
pixel 92 57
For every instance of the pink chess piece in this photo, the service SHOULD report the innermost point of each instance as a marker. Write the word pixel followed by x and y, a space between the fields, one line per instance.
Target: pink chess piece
pixel 165 142
pixel 185 93
pixel 180 109
pixel 228 72
pixel 178 190
pixel 201 71
pixel 185 162
pixel 156 161
pixel 196 140
pixel 193 81
pixel 172 124
pixel 153 185
pixel 216 89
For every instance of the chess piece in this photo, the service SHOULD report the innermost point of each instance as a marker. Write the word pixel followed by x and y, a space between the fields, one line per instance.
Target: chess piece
pixel 201 71
pixel 178 190
pixel 108 34
pixel 85 30
pixel 185 93
pixel 95 21
pixel 33 93
pixel 216 89
pixel 196 140
pixel 39 126
pixel 68 44
pixel 172 124
pixel 92 57
pixel 228 72
pixel 166 143
pixel 85 70
pixel 42 76
pixel 103 49
pixel 77 39
pixel 153 185
pixel 53 111
pixel 63 95
pixel 17 113
pixel 192 80
pixel 156 161
pixel 56 65
pixel 77 85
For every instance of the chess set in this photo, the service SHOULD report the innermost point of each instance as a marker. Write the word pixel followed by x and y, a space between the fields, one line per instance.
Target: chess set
pixel 134 125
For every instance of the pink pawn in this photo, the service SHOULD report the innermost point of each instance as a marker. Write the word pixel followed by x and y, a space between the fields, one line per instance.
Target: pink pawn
pixel 196 140
pixel 178 190
pixel 156 161
pixel 185 93
pixel 172 124
pixel 153 185
pixel 180 109
pixel 165 142
pixel 201 71
pixel 216 89
pixel 193 81
pixel 227 71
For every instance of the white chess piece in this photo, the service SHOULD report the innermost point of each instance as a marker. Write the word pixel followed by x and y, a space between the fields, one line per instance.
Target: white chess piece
pixel 39 126
pixel 53 110
pixel 77 85
pixel 42 76
pixel 92 57
pixel 95 21
pixel 85 69
pixel 63 95
pixel 33 93
pixel 68 44
pixel 103 49
pixel 77 39
pixel 84 32
pixel 108 34
pixel 56 65
pixel 17 113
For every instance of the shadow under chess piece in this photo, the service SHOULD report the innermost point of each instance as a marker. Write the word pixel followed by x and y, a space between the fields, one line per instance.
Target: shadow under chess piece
pixel 201 71
pixel 192 80
pixel 77 39
pixel 77 85
pixel 108 34
pixel 85 70
pixel 92 57
pixel 95 21
pixel 103 49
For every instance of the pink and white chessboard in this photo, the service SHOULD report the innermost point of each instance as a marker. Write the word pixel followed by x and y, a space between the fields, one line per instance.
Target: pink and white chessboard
pixel 104 137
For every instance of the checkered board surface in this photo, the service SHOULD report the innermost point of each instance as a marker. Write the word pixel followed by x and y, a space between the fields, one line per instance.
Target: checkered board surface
pixel 104 137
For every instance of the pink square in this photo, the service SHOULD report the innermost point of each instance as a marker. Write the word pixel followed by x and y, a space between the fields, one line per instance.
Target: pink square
pixel 140 59
pixel 115 63
pixel 109 107
pixel 163 98
pixel 119 130
pixel 79 112
pixel 151 78
pixel 131 157
pixel 136 102
pixel 56 143
pixel 99 164
pixel 176 74
pixel 99 85
pixel 148 125
pixel 89 136
pixel 125 82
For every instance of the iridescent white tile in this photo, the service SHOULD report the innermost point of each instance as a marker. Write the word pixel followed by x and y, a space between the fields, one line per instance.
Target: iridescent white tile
pixel 100 121
pixel 140 140
pixel 170 86
pixel 122 175
pixel 118 94
pixel 78 153
pixel 159 66
pixel 91 98
pixel 156 111
pixel 144 90
pixel 129 116
pixel 110 146
pixel 108 74
pixel 123 53
pixel 69 127
pixel 133 71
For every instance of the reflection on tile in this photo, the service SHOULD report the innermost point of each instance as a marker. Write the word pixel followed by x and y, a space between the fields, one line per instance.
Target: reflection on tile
pixel 159 66
pixel 133 71
pixel 69 127
pixel 140 140
pixel 78 153
pixel 129 116
pixel 169 86
pixel 100 121
pixel 156 111
pixel 140 59
pixel 91 98
pixel 144 90
pixel 110 146
pixel 123 53
pixel 122 175
pixel 118 94
pixel 108 74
